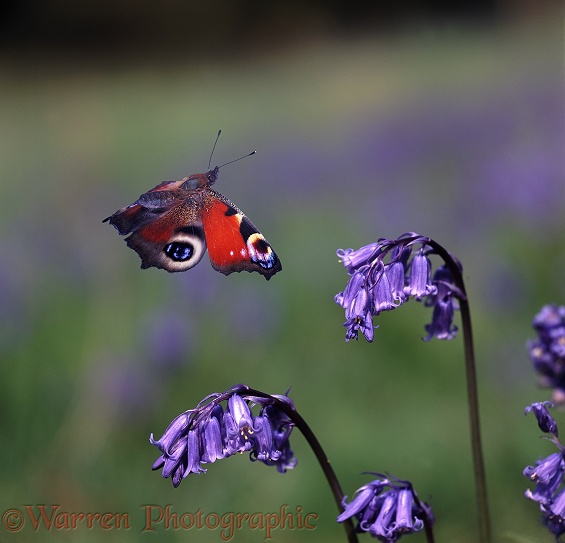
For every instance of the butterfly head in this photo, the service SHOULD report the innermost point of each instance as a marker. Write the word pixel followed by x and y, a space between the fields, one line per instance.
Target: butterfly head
pixel 200 180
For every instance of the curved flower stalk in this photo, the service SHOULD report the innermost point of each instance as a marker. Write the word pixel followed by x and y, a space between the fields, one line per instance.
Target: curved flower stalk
pixel 388 508
pixel 547 351
pixel 547 474
pixel 386 274
pixel 208 433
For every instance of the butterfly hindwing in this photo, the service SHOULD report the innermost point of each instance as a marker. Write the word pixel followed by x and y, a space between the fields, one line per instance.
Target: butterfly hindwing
pixel 174 242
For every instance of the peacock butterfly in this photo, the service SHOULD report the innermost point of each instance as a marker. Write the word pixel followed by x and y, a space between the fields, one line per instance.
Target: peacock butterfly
pixel 171 225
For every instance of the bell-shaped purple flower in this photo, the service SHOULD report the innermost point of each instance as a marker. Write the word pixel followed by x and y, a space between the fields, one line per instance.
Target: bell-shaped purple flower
pixel 383 296
pixel 263 449
pixel 444 305
pixel 554 515
pixel 280 427
pixel 395 274
pixel 442 326
pixel 547 469
pixel 214 436
pixel 406 521
pixel 357 304
pixel 363 324
pixel 420 283
pixel 546 422
pixel 356 283
pixel 353 260
pixel 239 426
pixel 382 526
pixel 194 457
pixel 174 459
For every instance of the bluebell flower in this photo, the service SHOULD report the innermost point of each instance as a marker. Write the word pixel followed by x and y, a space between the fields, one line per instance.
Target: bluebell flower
pixel 546 422
pixel 444 305
pixel 214 436
pixel 547 474
pixel 239 425
pixel 383 296
pixel 554 515
pixel 420 282
pixel 387 508
pixel 396 273
pixel 208 433
pixel 278 452
pixel 384 275
pixel 354 259
pixel 546 469
pixel 547 351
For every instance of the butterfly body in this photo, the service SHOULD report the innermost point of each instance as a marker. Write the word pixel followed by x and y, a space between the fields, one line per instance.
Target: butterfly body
pixel 171 226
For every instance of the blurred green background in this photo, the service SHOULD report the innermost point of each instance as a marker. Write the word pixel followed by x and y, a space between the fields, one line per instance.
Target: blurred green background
pixel 369 121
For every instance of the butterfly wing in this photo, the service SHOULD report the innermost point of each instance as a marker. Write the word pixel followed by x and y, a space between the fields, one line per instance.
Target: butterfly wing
pixel 165 228
pixel 234 243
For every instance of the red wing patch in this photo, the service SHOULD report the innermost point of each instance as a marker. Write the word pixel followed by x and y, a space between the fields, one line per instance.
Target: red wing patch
pixel 234 244
pixel 226 246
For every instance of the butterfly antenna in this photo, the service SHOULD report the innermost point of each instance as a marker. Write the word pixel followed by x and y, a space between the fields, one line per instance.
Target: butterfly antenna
pixel 240 158
pixel 213 148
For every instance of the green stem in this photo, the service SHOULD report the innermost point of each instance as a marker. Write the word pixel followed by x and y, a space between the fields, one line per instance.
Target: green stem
pixel 323 460
pixel 472 396
pixel 429 531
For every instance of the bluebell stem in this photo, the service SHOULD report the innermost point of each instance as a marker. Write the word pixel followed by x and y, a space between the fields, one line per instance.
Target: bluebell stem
pixel 547 474
pixel 547 351
pixel 388 508
pixel 208 433
pixel 383 276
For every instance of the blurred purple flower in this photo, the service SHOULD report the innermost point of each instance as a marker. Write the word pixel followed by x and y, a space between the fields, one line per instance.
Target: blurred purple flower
pixel 503 154
pixel 167 339
pixel 547 351
pixel 128 388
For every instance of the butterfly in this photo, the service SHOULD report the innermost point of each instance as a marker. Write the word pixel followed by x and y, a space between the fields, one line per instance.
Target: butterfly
pixel 171 226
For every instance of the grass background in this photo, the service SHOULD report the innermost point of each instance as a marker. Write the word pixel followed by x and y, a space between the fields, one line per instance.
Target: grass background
pixel 456 133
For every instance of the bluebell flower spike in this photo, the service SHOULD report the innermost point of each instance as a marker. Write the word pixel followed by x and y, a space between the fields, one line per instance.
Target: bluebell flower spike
pixel 208 433
pixel 386 274
pixel 387 508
